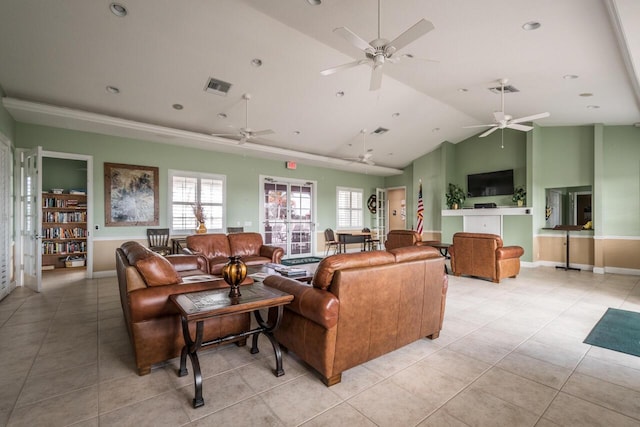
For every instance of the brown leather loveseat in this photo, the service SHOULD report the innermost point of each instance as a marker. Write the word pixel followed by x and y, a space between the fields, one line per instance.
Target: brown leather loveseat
pixel 146 279
pixel 217 248
pixel 404 238
pixel 361 306
pixel 483 255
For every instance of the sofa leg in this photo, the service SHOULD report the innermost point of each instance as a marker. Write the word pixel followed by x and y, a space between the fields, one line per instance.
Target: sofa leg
pixel 434 335
pixel 332 380
pixel 145 370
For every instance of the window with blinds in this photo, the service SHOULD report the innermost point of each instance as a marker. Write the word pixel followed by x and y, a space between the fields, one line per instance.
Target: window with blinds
pixel 349 208
pixel 188 188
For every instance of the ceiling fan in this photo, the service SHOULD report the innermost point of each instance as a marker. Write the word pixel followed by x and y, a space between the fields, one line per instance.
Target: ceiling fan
pixel 246 133
pixel 366 155
pixel 379 50
pixel 505 120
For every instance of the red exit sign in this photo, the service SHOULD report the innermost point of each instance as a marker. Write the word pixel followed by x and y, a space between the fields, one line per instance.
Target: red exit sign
pixel 291 165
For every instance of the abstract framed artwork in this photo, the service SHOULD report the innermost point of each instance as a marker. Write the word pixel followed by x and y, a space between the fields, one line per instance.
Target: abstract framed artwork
pixel 131 195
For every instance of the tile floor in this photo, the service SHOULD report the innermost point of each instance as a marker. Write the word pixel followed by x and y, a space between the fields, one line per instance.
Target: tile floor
pixel 509 355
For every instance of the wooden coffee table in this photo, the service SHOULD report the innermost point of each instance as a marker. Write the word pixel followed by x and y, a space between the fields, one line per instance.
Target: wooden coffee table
pixel 199 306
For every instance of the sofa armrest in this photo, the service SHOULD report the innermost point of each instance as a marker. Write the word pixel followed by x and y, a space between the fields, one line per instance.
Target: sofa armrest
pixel 275 253
pixel 319 306
pixel 188 262
pixel 507 252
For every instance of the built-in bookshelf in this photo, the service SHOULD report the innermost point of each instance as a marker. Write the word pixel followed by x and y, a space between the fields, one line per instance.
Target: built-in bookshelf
pixel 64 230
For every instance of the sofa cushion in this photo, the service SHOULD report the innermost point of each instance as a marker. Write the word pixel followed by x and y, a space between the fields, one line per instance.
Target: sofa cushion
pixel 210 245
pixel 328 266
pixel 245 244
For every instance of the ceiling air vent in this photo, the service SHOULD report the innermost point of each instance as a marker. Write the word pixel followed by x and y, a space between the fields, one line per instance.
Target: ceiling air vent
pixel 507 89
pixel 380 131
pixel 217 86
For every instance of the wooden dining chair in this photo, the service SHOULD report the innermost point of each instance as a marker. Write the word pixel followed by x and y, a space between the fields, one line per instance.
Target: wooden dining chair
pixel 159 240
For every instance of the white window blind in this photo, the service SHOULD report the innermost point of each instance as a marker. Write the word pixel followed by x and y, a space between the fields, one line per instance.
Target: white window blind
pixel 349 207
pixel 188 188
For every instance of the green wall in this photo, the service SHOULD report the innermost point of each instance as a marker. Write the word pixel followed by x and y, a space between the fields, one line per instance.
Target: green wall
pixel 64 173
pixel 242 173
pixel 479 155
pixel 620 182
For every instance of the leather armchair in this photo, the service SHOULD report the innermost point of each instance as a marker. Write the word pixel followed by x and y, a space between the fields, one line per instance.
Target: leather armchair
pixel 483 255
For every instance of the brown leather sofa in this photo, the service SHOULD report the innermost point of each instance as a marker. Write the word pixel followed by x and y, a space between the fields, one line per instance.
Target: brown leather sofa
pixel 483 255
pixel 146 279
pixel 361 306
pixel 404 238
pixel 217 248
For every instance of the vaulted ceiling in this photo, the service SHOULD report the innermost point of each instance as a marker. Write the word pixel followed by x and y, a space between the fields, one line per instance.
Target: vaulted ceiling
pixel 57 59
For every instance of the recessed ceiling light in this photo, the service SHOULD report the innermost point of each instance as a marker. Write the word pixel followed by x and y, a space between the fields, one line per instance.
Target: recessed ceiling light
pixel 394 115
pixel 586 94
pixel 113 89
pixel 222 116
pixel 256 62
pixel 569 77
pixel 435 129
pixel 531 25
pixel 118 9
pixel 462 89
pixel 296 132
pixel 314 2
pixel 593 107
pixel 340 94
pixel 177 106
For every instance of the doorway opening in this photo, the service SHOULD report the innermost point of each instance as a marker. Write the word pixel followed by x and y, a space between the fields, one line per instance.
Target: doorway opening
pixel 56 211
pixel 288 215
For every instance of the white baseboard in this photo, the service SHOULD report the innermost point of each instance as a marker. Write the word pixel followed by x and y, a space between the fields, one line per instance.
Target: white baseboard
pixel 618 270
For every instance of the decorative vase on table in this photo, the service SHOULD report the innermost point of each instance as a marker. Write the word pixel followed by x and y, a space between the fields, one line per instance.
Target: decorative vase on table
pixel 202 229
pixel 234 272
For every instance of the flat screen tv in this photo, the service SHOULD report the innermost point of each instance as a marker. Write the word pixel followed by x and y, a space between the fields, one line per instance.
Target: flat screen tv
pixel 490 183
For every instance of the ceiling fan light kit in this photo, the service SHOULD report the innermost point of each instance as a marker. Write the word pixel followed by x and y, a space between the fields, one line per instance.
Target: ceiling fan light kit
pixel 503 121
pixel 246 133
pixel 380 50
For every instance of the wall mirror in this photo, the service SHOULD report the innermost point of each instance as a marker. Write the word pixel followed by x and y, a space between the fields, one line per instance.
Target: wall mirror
pixel 568 206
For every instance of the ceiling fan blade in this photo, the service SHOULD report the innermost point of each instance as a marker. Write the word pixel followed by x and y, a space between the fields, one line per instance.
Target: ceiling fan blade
pixel 489 132
pixel 262 132
pixel 519 127
pixel 498 116
pixel 369 162
pixel 531 118
pixel 478 126
pixel 333 70
pixel 418 30
pixel 376 78
pixel 354 39
pixel 224 134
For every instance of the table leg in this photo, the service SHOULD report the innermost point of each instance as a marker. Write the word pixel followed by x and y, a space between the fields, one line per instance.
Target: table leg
pixel 566 267
pixel 267 330
pixel 191 347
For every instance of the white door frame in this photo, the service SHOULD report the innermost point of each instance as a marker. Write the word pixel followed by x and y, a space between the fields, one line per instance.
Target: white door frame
pixel 289 181
pixel 8 214
pixel 18 190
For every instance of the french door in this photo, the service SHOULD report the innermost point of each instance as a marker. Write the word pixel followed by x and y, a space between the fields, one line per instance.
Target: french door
pixel 32 218
pixel 288 215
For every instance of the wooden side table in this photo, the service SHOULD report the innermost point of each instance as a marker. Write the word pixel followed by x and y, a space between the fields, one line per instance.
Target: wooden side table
pixel 199 306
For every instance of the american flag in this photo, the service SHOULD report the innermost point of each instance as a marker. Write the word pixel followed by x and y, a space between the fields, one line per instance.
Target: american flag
pixel 420 211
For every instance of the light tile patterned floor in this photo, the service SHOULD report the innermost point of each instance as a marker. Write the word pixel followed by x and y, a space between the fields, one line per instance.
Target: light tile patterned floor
pixel 509 355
